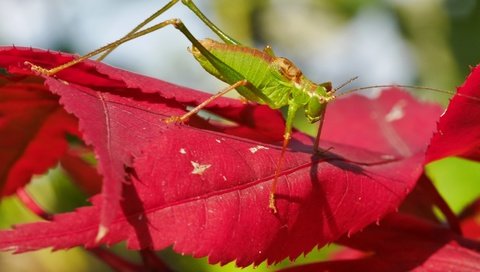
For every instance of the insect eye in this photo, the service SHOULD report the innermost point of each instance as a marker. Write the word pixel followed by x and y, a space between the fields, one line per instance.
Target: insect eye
pixel 329 87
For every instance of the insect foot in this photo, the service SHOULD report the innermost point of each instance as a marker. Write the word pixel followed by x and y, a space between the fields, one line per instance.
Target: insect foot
pixel 38 69
pixel 175 120
pixel 271 203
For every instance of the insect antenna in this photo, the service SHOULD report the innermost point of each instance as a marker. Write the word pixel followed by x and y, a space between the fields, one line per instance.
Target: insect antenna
pixel 407 87
pixel 401 86
pixel 345 84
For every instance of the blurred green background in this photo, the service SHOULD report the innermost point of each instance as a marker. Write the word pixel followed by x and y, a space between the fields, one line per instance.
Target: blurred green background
pixel 430 43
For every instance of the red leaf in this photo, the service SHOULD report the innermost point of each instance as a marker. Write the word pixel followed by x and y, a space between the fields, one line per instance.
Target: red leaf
pixel 206 192
pixel 397 124
pixel 458 133
pixel 90 81
pixel 32 131
pixel 404 243
pixel 215 219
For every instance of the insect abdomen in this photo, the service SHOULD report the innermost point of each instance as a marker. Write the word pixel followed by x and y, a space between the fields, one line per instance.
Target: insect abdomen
pixel 254 65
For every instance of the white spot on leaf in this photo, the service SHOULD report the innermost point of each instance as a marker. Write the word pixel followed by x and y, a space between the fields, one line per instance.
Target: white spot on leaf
pixel 257 148
pixel 224 178
pixel 388 157
pixel 199 169
pixel 218 141
pixel 397 112
pixel 102 231
pixel 183 151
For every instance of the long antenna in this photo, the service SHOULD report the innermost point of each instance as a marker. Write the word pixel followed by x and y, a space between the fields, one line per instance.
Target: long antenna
pixel 408 87
pixel 345 83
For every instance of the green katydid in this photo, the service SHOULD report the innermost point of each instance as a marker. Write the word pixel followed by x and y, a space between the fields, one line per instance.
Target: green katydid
pixel 258 75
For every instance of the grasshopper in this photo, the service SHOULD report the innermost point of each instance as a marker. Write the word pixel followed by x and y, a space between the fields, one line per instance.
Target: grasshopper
pixel 258 75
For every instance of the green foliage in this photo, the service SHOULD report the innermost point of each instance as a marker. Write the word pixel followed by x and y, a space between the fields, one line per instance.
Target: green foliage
pixel 457 181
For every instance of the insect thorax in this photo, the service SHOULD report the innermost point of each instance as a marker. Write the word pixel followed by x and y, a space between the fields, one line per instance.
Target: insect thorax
pixel 288 69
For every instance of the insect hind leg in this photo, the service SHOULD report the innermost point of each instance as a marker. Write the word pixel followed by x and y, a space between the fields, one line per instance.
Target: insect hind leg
pixel 189 4
pixel 225 37
pixel 138 32
pixel 107 49
pixel 141 25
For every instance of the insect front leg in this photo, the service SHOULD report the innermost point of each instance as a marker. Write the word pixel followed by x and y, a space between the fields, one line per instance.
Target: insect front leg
pixel 317 138
pixel 292 109
pixel 186 116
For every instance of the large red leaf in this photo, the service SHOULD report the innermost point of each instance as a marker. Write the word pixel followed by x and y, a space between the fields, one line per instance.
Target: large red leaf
pixel 229 219
pixel 458 133
pixel 114 145
pixel 404 243
pixel 33 130
pixel 206 191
